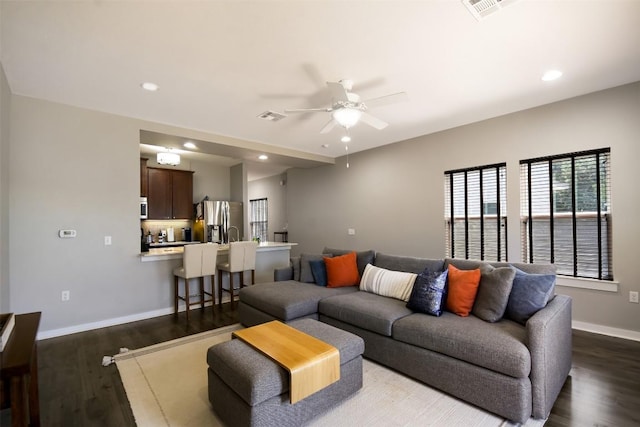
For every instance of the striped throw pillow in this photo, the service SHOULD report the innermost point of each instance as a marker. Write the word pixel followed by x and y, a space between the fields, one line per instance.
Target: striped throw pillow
pixel 387 283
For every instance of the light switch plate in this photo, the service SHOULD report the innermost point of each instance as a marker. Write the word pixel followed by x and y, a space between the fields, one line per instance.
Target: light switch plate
pixel 351 231
pixel 107 240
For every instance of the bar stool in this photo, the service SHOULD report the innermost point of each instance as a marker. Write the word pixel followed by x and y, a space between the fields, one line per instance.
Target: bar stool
pixel 197 261
pixel 242 257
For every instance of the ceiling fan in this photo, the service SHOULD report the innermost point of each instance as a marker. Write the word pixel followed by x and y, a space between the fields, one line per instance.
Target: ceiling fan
pixel 347 109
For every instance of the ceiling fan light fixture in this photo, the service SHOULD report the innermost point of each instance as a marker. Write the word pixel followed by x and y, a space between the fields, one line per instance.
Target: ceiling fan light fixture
pixel 347 117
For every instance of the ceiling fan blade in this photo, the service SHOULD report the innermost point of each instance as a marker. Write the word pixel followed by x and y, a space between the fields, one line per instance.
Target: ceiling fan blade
pixel 338 92
pixel 309 110
pixel 373 121
pixel 386 99
pixel 329 126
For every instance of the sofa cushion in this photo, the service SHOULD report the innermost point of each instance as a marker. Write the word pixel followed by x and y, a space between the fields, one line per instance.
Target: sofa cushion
pixel 529 294
pixel 342 270
pixel 362 257
pixel 365 310
pixel 306 275
pixel 295 264
pixel 408 264
pixel 493 293
pixel 290 299
pixel 429 292
pixel 387 283
pixel 462 288
pixel 468 264
pixel 497 346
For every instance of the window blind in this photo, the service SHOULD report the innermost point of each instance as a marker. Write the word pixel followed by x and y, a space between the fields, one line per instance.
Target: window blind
pixel 566 213
pixel 475 213
pixel 259 219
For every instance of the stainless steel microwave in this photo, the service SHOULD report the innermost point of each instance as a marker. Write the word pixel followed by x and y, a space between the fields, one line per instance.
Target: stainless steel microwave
pixel 144 208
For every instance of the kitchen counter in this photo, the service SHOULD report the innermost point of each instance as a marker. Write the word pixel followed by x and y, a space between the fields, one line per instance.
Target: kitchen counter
pixel 269 256
pixel 170 251
pixel 169 244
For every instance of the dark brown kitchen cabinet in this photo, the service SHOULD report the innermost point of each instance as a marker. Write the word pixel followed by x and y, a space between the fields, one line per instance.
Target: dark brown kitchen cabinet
pixel 143 177
pixel 170 193
pixel 182 194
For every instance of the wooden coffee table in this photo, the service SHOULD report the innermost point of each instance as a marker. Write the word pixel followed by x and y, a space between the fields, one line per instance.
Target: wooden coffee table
pixel 312 364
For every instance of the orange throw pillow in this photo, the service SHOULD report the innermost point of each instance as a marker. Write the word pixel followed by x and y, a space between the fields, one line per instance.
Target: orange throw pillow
pixel 342 271
pixel 462 290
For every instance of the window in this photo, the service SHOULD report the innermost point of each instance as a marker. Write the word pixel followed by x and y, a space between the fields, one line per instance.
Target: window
pixel 475 213
pixel 259 219
pixel 566 213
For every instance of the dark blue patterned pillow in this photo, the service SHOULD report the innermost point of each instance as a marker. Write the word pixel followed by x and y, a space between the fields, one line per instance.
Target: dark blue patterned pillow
pixel 319 272
pixel 428 294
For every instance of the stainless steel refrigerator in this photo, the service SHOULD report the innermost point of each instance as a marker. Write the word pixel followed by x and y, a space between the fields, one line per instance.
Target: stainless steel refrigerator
pixel 223 221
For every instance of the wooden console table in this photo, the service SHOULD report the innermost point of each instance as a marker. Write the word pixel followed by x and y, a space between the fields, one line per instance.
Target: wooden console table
pixel 20 370
pixel 312 364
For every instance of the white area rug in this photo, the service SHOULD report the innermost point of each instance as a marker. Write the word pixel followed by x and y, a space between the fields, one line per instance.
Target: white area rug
pixel 167 386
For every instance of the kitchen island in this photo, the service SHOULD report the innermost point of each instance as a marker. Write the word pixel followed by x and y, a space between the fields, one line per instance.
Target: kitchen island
pixel 269 256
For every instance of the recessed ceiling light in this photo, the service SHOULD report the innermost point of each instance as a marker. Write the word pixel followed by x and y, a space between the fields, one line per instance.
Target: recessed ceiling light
pixel 551 75
pixel 149 86
pixel 346 138
pixel 189 144
pixel 263 157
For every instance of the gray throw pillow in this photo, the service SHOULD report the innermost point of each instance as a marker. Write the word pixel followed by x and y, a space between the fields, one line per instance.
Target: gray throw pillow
pixel 493 293
pixel 306 274
pixel 295 263
pixel 530 293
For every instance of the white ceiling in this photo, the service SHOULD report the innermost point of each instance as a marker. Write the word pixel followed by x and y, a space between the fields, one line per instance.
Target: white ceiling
pixel 219 64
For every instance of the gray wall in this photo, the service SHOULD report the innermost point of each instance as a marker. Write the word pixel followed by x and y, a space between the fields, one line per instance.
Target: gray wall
pixel 274 189
pixel 56 183
pixel 394 196
pixel 391 196
pixel 5 122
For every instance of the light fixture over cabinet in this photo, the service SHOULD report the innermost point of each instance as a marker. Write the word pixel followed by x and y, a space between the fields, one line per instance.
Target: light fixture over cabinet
pixel 168 158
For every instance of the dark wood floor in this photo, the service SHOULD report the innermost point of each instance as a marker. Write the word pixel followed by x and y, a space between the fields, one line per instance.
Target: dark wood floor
pixel 76 390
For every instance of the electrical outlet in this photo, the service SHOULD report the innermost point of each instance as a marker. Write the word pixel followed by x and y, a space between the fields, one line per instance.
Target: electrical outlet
pixel 633 297
pixel 66 296
pixel 351 231
pixel 107 240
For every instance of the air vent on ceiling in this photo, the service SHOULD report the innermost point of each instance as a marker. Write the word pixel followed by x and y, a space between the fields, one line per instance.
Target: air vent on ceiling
pixel 480 9
pixel 272 116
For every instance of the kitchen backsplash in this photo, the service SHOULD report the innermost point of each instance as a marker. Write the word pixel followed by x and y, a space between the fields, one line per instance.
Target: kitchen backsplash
pixel 156 225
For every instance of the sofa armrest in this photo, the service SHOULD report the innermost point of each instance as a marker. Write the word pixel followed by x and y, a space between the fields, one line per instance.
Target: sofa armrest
pixel 549 341
pixel 282 274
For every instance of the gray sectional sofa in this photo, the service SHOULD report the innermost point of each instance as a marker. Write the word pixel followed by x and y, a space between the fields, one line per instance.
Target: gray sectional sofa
pixel 505 367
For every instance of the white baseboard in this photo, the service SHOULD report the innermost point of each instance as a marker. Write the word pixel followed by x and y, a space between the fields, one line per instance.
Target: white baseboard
pixel 581 326
pixel 606 330
pixel 112 322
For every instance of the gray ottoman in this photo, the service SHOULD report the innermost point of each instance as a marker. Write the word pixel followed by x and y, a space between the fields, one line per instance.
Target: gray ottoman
pixel 247 388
